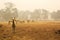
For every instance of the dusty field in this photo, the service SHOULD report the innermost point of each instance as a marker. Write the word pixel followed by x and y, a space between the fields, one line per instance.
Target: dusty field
pixel 43 30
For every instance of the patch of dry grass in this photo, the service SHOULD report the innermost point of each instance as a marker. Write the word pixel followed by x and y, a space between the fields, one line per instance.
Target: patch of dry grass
pixel 43 30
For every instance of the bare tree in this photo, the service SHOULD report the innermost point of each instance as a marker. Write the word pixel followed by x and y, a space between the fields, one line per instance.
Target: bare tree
pixel 56 15
pixel 9 11
pixel 44 14
pixel 36 14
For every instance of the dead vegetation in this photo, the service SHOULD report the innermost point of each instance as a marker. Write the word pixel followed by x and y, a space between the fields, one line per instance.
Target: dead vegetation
pixel 31 31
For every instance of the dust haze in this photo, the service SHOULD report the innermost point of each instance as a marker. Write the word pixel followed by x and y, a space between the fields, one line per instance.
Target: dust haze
pixel 29 20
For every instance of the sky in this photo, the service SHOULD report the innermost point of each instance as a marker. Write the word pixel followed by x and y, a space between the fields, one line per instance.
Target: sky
pixel 51 5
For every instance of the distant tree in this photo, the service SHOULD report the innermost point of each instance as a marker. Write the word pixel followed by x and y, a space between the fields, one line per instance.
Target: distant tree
pixel 21 15
pixel 56 15
pixel 15 12
pixel 1 14
pixel 36 14
pixel 44 14
pixel 9 11
pixel 24 15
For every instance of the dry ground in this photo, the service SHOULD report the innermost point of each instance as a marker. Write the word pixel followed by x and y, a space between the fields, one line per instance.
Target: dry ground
pixel 40 30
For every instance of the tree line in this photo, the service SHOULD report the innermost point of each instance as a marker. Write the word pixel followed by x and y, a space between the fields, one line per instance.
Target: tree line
pixel 11 11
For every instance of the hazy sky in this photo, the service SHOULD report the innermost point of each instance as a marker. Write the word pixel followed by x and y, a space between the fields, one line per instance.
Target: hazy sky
pixel 34 4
